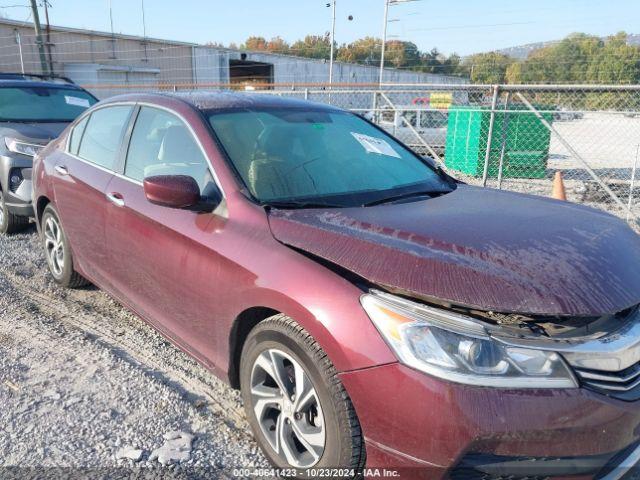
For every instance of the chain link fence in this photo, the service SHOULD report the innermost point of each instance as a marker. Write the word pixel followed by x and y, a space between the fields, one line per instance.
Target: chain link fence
pixel 512 137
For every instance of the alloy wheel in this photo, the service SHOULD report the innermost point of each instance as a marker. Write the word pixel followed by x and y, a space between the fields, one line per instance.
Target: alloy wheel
pixel 54 246
pixel 287 408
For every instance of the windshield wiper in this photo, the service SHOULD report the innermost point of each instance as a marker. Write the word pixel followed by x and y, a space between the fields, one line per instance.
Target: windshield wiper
pixel 301 204
pixel 402 196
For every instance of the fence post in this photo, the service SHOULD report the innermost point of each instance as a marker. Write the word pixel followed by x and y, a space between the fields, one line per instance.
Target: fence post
pixel 376 120
pixel 571 150
pixel 492 117
pixel 505 127
pixel 632 184
pixel 412 128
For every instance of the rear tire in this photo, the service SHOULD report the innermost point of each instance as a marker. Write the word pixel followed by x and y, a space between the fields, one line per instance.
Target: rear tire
pixel 319 430
pixel 58 252
pixel 10 223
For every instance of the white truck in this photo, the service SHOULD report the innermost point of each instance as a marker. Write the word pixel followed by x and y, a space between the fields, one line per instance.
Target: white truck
pixel 429 124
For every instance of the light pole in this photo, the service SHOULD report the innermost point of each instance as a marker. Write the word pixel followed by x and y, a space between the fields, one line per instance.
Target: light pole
pixel 113 37
pixel 384 30
pixel 384 38
pixel 144 23
pixel 333 32
pixel 19 41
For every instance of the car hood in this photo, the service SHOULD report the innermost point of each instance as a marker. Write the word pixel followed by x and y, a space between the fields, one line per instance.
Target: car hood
pixel 35 132
pixel 480 248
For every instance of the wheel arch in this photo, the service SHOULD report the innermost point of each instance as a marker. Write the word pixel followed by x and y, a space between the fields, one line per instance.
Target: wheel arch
pixel 38 209
pixel 242 325
pixel 41 204
pixel 340 327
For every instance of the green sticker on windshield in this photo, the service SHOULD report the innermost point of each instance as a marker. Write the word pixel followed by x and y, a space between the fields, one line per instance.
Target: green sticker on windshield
pixel 318 126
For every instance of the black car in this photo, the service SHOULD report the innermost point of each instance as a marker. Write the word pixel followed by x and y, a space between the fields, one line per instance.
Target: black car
pixel 34 109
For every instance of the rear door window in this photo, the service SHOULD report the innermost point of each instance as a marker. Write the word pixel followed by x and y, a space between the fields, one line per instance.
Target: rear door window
pixel 102 137
pixel 76 135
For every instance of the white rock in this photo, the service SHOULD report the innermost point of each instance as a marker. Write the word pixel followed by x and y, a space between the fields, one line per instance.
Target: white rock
pixel 131 453
pixel 176 448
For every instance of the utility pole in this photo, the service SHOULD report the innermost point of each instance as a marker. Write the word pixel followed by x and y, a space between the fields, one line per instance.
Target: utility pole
pixel 36 24
pixel 48 29
pixel 333 33
pixel 384 38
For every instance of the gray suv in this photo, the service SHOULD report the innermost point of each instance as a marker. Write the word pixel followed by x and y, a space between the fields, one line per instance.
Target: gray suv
pixel 33 110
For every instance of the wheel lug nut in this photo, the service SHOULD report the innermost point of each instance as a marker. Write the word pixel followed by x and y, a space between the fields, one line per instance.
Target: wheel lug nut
pixel 298 416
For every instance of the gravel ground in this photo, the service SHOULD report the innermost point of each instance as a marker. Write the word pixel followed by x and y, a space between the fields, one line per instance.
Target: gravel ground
pixel 83 381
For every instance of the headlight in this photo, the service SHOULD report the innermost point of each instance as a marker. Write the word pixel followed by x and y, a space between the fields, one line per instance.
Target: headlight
pixel 24 148
pixel 457 348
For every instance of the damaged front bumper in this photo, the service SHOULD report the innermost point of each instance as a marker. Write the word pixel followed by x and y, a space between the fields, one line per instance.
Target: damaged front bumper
pixel 608 364
pixel 425 427
pixel 471 399
pixel 608 466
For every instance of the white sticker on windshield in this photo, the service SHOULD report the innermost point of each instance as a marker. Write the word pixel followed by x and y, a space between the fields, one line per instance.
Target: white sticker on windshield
pixel 375 145
pixel 78 102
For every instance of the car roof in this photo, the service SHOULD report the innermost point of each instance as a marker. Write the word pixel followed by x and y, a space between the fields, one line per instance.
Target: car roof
pixel 13 83
pixel 225 100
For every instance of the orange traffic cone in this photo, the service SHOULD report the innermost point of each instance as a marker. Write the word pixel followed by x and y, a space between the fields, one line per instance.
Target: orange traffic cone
pixel 558 191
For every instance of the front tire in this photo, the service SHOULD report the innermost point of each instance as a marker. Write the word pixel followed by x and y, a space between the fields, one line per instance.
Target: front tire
pixel 299 412
pixel 58 252
pixel 10 223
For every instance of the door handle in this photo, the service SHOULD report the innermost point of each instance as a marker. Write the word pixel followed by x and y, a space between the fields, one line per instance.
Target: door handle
pixel 62 170
pixel 116 199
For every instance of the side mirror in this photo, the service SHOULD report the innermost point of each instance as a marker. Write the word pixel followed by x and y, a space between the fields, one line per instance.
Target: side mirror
pixel 174 191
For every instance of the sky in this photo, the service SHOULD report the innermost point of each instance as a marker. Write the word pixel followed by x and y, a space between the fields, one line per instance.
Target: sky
pixel 460 26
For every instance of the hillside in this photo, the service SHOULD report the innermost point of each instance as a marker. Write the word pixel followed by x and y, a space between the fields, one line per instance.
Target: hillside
pixel 521 52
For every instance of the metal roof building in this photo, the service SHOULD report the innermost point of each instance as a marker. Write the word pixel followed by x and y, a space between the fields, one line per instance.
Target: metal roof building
pixel 111 63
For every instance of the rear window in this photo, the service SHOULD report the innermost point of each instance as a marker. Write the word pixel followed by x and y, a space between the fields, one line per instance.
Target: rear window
pixel 42 104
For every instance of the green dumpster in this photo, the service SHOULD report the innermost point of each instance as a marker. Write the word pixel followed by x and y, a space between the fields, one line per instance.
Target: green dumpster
pixel 526 142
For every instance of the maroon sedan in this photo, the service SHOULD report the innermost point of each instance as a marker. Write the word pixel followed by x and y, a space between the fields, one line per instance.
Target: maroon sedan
pixel 373 311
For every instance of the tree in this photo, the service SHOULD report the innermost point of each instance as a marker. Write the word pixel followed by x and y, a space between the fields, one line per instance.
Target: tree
pixel 365 50
pixel 254 43
pixel 616 62
pixel 513 74
pixel 313 46
pixel 487 68
pixel 563 62
pixel 402 54
pixel 277 45
pixel 581 58
pixel 451 65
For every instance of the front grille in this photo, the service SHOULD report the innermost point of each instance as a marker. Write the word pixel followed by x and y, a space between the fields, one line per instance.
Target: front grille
pixel 623 384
